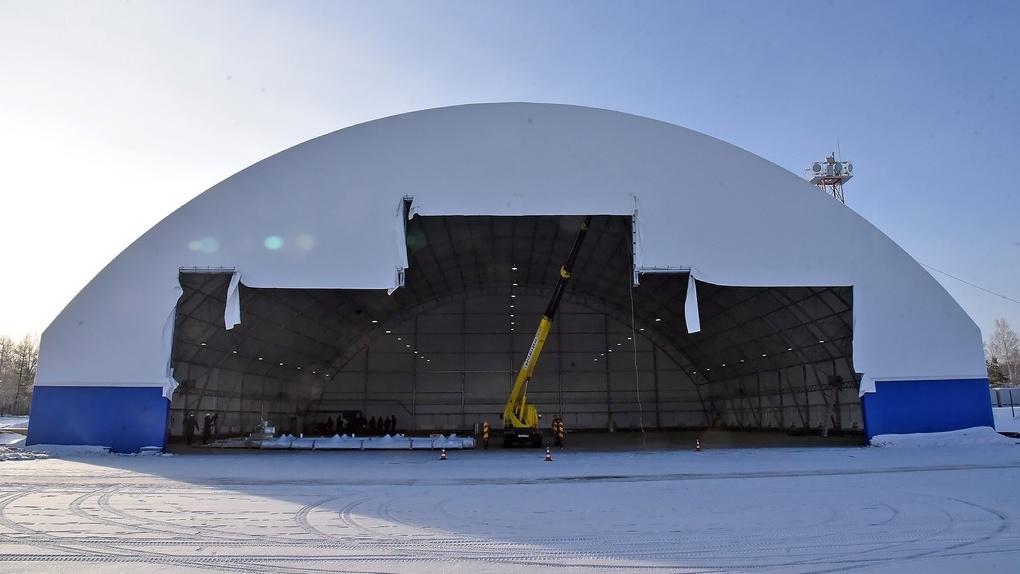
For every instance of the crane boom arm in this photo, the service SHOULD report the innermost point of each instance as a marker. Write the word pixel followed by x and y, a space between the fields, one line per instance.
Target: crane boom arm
pixel 518 413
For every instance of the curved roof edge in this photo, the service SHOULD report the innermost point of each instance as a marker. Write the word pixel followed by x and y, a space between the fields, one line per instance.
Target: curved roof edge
pixel 700 203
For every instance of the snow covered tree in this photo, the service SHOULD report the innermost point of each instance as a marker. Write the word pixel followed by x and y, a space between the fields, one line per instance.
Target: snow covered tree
pixel 1004 349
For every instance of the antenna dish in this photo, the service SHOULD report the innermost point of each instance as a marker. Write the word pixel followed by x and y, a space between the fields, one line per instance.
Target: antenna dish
pixel 830 175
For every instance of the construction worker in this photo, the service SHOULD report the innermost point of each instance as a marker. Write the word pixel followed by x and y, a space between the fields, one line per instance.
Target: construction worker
pixel 208 425
pixel 558 430
pixel 485 434
pixel 190 426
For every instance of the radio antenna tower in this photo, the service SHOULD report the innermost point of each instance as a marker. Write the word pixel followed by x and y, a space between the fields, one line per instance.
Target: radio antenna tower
pixel 830 175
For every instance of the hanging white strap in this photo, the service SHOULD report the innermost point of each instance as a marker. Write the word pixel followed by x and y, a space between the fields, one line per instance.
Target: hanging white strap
pixel 691 306
pixel 232 310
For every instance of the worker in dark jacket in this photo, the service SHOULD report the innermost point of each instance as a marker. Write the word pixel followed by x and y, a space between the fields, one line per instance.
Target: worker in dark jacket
pixel 207 426
pixel 190 426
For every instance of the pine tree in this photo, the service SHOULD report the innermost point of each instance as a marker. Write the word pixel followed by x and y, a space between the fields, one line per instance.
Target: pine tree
pixel 1004 348
pixel 996 378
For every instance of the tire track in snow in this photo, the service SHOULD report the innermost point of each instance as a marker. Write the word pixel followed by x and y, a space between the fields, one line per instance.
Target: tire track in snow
pixel 368 529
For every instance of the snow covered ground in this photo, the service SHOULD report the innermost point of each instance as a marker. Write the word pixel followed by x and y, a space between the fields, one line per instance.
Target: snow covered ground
pixel 946 502
pixel 1007 419
pixel 7 422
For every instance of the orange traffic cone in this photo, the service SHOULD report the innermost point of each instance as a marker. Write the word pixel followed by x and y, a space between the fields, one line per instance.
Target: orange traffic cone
pixel 548 455
pixel 442 455
pixel 697 445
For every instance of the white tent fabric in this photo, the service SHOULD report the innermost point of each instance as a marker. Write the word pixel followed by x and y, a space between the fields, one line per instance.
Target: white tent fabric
pixel 321 215
pixel 232 310
pixel 691 306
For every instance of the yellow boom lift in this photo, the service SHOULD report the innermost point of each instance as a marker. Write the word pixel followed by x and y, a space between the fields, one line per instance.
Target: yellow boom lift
pixel 520 419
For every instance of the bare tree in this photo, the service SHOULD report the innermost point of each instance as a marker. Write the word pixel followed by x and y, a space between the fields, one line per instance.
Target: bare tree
pixel 8 381
pixel 18 361
pixel 26 359
pixel 1004 348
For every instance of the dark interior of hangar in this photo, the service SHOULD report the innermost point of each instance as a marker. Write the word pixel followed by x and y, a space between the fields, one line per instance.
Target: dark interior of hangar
pixel 441 352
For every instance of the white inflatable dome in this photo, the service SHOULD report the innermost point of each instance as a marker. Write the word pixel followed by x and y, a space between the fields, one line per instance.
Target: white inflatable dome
pixel 752 298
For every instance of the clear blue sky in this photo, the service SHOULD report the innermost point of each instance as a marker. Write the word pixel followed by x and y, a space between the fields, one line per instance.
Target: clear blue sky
pixel 113 114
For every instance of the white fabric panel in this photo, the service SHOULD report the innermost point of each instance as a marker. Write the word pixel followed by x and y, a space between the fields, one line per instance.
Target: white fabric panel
pixel 320 215
pixel 400 246
pixel 232 310
pixel 636 224
pixel 170 384
pixel 691 306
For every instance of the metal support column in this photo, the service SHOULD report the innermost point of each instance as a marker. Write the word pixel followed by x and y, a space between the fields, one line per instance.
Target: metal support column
pixel 655 381
pixel 609 393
